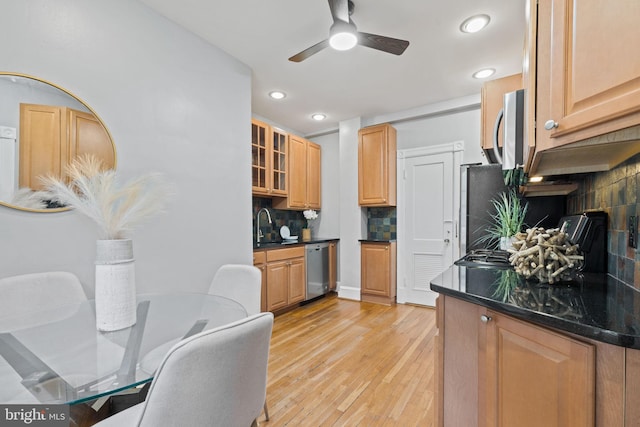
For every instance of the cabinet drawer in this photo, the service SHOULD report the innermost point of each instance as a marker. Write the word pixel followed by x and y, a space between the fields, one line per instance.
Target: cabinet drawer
pixel 280 254
pixel 259 257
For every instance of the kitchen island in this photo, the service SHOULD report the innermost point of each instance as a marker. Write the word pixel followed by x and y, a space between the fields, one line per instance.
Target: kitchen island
pixel 517 353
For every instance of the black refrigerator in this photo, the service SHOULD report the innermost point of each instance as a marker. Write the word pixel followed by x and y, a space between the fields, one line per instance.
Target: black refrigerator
pixel 479 185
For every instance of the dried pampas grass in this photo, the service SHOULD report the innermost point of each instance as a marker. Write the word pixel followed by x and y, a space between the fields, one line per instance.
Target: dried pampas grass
pixel 94 191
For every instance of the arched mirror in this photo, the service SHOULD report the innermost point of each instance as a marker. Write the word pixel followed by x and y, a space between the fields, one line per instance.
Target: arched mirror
pixel 43 127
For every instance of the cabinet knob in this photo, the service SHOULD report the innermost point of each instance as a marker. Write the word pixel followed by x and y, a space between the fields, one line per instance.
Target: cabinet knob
pixel 550 124
pixel 485 319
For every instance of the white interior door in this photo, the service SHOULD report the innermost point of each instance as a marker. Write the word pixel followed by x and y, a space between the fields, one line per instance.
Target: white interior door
pixel 427 221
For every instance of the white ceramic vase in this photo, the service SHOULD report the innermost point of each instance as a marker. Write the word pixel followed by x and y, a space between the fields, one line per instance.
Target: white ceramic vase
pixel 115 285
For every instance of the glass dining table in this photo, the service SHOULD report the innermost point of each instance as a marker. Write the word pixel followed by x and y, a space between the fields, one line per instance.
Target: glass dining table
pixel 57 356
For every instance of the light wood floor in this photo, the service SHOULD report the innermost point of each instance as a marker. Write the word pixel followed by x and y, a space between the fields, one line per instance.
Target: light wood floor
pixel 338 362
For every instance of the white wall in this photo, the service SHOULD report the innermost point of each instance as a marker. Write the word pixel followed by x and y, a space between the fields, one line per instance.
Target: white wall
pixel 173 104
pixel 329 218
pixel 461 126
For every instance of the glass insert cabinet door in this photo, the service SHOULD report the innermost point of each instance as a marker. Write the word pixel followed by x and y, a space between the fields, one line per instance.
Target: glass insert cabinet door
pixel 269 147
pixel 259 157
pixel 279 162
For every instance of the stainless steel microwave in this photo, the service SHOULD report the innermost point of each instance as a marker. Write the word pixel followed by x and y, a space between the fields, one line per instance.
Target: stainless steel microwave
pixel 512 117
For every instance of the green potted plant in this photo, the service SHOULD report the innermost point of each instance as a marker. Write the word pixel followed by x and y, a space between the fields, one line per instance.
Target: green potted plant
pixel 507 220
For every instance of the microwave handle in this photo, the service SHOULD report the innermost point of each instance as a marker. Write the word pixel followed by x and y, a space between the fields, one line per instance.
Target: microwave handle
pixel 496 132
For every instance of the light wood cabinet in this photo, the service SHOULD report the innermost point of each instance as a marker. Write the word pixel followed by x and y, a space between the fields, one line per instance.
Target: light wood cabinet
pixel 285 277
pixel 304 176
pixel 533 377
pixel 260 262
pixel 584 70
pixel 504 371
pixel 269 159
pixel 492 101
pixel 377 166
pixel 333 266
pixel 378 272
pixel 314 178
pixel 51 137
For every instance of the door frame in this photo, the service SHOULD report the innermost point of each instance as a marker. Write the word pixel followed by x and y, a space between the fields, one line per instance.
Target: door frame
pixel 457 149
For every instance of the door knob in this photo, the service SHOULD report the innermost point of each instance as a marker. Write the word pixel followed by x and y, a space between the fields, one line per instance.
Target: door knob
pixel 484 318
pixel 550 124
pixel 447 240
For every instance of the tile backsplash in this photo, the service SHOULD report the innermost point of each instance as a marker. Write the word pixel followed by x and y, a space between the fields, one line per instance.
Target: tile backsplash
pixel 381 223
pixel 616 192
pixel 271 232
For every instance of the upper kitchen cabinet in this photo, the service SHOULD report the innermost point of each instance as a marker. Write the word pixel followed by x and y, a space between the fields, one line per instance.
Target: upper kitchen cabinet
pixel 303 177
pixel 583 66
pixel 492 98
pixel 268 160
pixel 51 137
pixel 377 166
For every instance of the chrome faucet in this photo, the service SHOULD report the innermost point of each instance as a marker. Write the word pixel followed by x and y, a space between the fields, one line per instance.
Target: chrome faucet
pixel 258 231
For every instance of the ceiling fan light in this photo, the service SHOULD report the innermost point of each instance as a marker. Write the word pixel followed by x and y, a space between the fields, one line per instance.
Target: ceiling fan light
pixel 343 35
pixel 343 41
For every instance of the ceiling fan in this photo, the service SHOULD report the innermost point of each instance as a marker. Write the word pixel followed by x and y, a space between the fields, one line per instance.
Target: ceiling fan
pixel 343 35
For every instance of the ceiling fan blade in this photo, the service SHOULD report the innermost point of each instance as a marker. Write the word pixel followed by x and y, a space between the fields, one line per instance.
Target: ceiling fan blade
pixel 385 44
pixel 339 10
pixel 298 57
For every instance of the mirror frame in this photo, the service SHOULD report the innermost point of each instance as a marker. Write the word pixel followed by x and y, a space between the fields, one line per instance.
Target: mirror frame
pixel 113 145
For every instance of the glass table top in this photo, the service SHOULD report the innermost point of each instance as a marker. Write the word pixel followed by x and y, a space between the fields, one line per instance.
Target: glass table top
pixel 58 356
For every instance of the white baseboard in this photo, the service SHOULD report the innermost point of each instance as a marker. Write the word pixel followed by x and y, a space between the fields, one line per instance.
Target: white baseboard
pixel 349 292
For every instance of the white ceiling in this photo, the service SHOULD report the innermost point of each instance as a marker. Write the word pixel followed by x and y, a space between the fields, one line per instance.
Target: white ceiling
pixel 362 82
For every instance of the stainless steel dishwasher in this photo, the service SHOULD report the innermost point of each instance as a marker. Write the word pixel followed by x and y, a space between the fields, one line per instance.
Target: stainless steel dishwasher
pixel 317 256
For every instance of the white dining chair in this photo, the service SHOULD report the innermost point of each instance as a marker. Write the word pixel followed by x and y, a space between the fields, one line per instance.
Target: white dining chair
pixel 241 283
pixel 214 378
pixel 30 294
pixel 29 300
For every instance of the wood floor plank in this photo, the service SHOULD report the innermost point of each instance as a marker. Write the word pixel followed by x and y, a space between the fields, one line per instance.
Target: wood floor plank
pixel 337 362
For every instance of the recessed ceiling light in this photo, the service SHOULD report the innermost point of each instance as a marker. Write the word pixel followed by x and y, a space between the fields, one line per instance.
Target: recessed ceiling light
pixel 535 179
pixel 318 116
pixel 474 23
pixel 276 94
pixel 483 74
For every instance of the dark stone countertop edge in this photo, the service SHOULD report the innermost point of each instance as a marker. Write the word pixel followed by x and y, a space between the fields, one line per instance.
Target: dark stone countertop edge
pixel 542 319
pixel 281 245
pixel 376 240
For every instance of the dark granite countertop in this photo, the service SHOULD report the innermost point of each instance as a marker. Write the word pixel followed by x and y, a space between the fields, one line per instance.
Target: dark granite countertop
pixel 376 240
pixel 281 244
pixel 595 306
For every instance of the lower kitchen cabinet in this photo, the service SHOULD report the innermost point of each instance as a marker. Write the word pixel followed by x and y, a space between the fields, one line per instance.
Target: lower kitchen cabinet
pixel 284 275
pixel 333 266
pixel 534 377
pixel 500 371
pixel 378 272
pixel 260 262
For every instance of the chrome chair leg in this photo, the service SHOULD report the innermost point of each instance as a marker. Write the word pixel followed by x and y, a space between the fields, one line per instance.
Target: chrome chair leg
pixel 266 411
